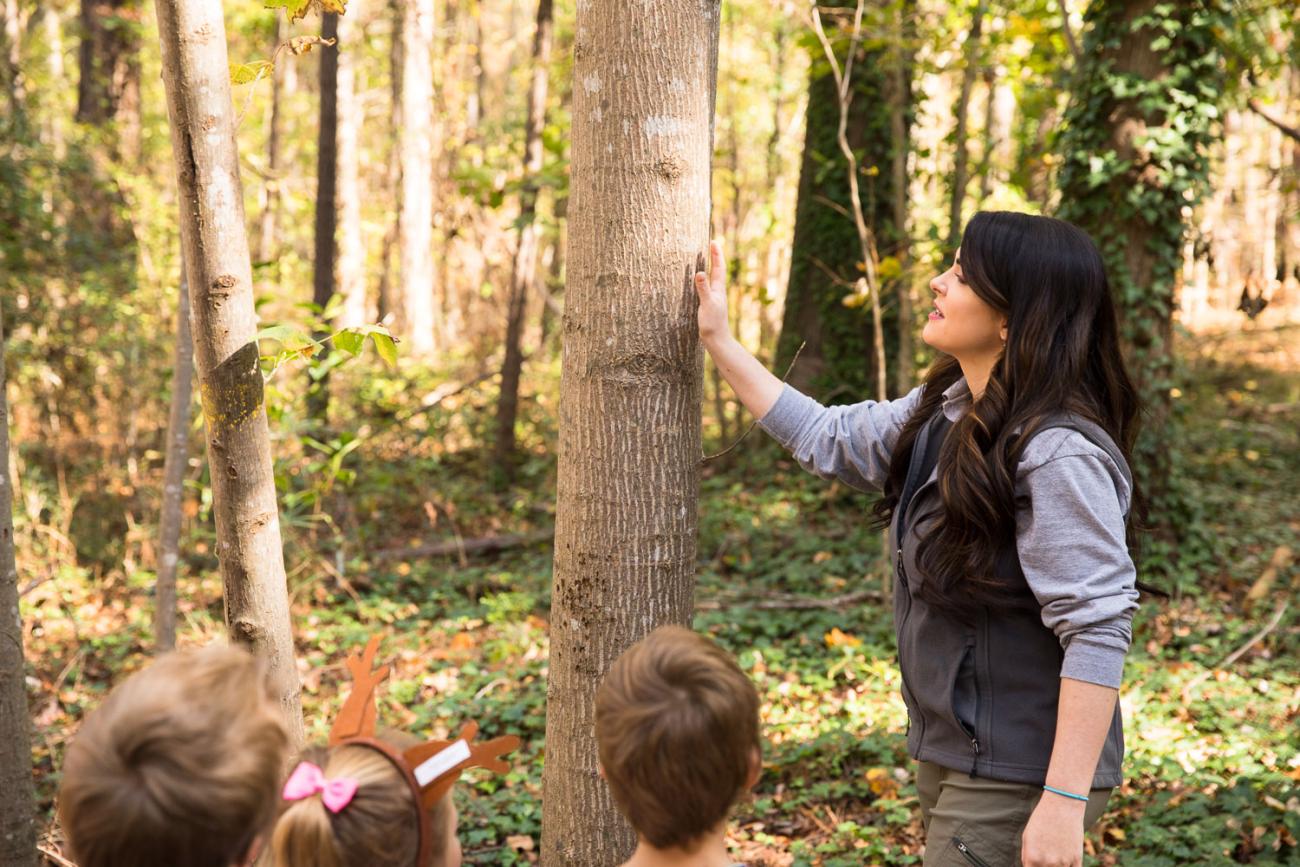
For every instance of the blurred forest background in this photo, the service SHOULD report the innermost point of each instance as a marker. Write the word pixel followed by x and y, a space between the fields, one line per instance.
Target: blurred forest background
pixel 416 480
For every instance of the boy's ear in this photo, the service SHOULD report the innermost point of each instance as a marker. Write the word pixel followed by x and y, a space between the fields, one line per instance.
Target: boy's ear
pixel 755 769
pixel 600 769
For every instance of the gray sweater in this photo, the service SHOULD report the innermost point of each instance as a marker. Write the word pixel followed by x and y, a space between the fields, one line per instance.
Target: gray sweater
pixel 1070 540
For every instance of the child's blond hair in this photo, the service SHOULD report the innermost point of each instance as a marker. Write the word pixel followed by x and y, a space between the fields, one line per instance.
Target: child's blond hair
pixel 678 735
pixel 180 765
pixel 380 825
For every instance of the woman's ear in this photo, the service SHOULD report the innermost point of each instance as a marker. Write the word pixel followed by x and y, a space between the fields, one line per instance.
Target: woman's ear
pixel 755 769
pixel 1002 329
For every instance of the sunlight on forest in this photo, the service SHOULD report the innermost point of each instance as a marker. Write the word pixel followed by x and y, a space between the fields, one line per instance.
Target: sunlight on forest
pixel 442 379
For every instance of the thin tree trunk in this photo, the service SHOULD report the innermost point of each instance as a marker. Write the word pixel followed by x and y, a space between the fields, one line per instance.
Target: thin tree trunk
pixel 271 188
pixel 989 131
pixel 326 208
pixel 11 72
pixel 196 78
pixel 625 540
pixel 960 166
pixel 18 806
pixel 415 214
pixel 178 431
pixel 900 98
pixel 390 297
pixel 53 125
pixel 352 250
pixel 524 276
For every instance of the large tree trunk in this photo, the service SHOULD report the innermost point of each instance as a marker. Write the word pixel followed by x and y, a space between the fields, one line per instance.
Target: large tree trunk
pixel 196 78
pixel 625 535
pixel 109 59
pixel 352 250
pixel 18 805
pixel 524 276
pixel 840 355
pixel 960 169
pixel 1135 215
pixel 415 214
pixel 178 438
pixel 326 210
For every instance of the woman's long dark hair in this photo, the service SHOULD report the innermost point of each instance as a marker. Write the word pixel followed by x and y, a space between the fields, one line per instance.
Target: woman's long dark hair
pixel 1062 355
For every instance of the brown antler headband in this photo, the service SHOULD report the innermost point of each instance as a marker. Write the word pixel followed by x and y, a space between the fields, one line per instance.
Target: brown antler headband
pixel 431 768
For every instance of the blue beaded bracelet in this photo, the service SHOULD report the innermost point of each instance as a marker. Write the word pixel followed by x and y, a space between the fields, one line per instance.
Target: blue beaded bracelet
pixel 1065 794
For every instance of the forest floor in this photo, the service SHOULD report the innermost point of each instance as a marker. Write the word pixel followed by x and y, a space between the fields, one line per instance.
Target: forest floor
pixel 1214 747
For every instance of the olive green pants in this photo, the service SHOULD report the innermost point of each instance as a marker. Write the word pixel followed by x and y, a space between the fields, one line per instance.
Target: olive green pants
pixel 974 822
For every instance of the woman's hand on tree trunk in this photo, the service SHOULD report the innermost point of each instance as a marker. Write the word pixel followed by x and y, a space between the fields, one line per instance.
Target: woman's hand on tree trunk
pixel 712 291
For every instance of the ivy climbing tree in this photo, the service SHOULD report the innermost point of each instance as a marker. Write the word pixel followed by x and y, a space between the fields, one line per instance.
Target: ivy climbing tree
pixel 1134 164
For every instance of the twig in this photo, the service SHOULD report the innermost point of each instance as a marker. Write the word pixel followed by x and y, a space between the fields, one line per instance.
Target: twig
pixel 754 423
pixel 1280 560
pixel 469 546
pixel 1239 652
pixel 1069 33
pixel 55 857
pixel 1286 129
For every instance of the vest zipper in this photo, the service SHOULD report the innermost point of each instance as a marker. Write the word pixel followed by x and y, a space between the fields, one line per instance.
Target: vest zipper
pixel 907 693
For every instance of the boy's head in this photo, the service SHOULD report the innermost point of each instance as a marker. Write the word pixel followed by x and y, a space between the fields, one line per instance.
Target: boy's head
pixel 180 765
pixel 378 827
pixel 678 733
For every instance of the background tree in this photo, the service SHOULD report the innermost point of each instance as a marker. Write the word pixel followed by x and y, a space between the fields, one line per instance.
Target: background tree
pixel 630 390
pixel 415 214
pixel 326 203
pixel 523 276
pixel 196 76
pixel 839 355
pixel 108 89
pixel 173 490
pixel 17 807
pixel 1133 166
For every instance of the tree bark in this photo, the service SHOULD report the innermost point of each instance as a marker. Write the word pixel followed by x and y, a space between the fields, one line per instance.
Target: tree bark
pixel 108 89
pixel 628 478
pixel 196 79
pixel 351 249
pixel 326 206
pixel 960 169
pixel 18 806
pixel 524 275
pixel 415 214
pixel 178 433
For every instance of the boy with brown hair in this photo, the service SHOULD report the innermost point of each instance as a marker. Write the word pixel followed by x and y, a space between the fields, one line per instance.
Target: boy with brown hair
pixel 677 730
pixel 181 765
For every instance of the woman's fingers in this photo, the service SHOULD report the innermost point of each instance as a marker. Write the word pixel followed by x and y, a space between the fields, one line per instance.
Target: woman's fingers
pixel 717 266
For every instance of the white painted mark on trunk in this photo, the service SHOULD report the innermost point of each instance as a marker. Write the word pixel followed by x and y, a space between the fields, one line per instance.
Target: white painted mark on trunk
pixel 657 126
pixel 591 83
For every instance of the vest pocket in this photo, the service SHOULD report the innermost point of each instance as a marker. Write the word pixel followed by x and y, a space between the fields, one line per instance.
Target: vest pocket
pixel 968 854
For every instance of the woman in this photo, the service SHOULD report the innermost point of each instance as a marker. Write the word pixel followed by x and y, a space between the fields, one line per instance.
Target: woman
pixel 1006 488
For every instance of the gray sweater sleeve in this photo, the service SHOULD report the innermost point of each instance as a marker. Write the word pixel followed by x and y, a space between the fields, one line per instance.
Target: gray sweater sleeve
pixel 1072 549
pixel 851 443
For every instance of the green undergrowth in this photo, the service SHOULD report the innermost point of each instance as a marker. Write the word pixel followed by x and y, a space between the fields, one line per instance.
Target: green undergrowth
pixel 1214 758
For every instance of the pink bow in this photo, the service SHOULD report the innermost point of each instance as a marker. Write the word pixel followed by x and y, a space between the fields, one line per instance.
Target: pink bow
pixel 307 779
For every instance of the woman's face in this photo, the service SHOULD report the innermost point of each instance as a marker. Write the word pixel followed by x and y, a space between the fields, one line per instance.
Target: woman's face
pixel 961 323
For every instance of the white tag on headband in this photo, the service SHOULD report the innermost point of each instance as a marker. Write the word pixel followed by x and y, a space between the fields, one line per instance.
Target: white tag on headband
pixel 441 762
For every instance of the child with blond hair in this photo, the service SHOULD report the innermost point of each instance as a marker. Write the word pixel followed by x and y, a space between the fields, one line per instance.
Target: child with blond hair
pixel 376 801
pixel 181 765
pixel 677 730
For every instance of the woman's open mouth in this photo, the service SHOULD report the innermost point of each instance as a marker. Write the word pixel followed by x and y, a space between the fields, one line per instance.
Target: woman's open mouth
pixel 935 314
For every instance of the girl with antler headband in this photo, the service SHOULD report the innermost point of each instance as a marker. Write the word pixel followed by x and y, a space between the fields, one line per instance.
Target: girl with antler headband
pixel 377 802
